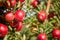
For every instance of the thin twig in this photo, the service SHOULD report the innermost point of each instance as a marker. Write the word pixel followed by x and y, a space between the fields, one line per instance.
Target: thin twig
pixel 48 6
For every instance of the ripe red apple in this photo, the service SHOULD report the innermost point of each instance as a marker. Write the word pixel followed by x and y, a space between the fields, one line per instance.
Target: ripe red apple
pixel 12 3
pixel 13 24
pixel 19 26
pixel 3 30
pixel 42 36
pixel 42 16
pixel 56 33
pixel 9 16
pixel 34 3
pixel 19 15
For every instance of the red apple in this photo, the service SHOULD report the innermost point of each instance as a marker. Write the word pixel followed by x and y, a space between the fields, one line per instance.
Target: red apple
pixel 9 16
pixel 42 16
pixel 19 15
pixel 12 3
pixel 56 33
pixel 13 24
pixel 19 26
pixel 3 30
pixel 42 36
pixel 34 3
